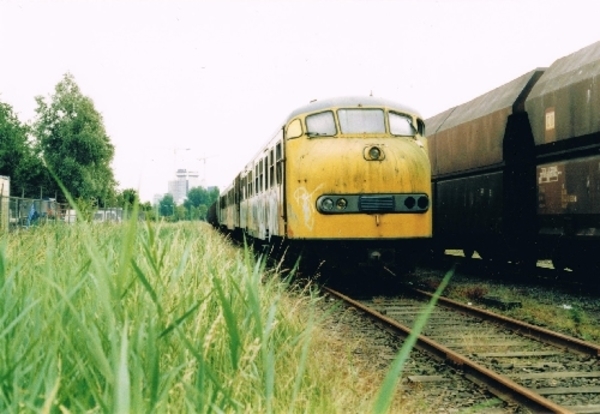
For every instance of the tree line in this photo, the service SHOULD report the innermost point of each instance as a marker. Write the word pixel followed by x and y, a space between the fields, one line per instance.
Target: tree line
pixel 67 142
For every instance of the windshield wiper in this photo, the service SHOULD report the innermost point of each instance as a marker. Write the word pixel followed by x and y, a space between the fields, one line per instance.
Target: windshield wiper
pixel 311 134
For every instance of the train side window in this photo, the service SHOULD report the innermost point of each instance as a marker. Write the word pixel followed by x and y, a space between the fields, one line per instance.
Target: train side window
pixel 421 127
pixel 267 179
pixel 401 125
pixel 250 184
pixel 256 187
pixel 361 121
pixel 266 163
pixel 321 125
pixel 271 169
pixel 261 176
pixel 279 162
pixel 294 129
pixel 263 171
pixel 242 188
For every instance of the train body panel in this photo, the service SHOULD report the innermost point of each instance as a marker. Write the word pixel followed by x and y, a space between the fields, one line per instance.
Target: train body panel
pixel 261 192
pixel 569 197
pixel 402 170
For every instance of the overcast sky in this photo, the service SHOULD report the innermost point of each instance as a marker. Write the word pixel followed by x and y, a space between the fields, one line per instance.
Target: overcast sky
pixel 177 81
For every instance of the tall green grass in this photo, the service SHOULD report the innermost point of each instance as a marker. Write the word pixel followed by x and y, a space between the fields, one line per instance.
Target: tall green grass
pixel 167 318
pixel 161 318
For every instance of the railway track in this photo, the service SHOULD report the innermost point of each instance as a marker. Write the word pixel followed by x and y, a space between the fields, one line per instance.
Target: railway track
pixel 533 367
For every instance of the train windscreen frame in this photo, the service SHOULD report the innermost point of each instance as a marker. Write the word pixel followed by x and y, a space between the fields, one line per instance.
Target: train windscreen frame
pixel 361 120
pixel 321 124
pixel 401 124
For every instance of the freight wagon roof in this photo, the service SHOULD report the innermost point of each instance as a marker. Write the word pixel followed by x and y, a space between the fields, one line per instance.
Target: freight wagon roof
pixel 435 123
pixel 574 68
pixel 351 102
pixel 500 98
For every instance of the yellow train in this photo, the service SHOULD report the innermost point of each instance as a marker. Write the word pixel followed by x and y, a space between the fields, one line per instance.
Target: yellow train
pixel 345 180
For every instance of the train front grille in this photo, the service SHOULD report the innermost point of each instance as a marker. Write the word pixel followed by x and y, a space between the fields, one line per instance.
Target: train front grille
pixel 376 203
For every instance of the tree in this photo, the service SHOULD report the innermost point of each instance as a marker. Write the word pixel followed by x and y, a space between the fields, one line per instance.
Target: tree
pixel 127 198
pixel 17 158
pixel 71 138
pixel 166 206
pixel 198 200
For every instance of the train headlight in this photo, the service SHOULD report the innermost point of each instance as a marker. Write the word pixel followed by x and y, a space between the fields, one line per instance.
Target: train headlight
pixel 341 204
pixel 423 202
pixel 374 153
pixel 327 204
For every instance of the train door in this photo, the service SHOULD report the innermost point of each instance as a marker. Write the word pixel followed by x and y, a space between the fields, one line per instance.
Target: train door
pixel 237 189
pixel 280 183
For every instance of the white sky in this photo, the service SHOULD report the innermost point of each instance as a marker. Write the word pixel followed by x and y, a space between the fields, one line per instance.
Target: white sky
pixel 218 77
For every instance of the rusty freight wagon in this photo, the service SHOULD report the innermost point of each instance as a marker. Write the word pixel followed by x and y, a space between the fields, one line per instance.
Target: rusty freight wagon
pixel 516 171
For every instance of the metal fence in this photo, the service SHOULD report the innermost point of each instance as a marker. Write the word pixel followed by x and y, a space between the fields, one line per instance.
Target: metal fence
pixel 16 212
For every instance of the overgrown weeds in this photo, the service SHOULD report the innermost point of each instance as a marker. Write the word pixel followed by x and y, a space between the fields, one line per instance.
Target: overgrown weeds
pixel 162 318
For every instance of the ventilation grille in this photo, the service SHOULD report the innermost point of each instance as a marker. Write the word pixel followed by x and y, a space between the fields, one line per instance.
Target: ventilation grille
pixel 375 204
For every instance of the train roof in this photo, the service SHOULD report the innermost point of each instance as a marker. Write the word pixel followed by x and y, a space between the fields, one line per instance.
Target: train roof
pixel 570 91
pixel 509 95
pixel 569 70
pixel 351 102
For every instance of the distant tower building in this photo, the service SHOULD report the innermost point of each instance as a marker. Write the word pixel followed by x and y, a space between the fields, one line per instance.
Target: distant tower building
pixel 185 181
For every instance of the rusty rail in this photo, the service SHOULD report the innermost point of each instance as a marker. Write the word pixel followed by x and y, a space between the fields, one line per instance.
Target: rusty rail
pixel 499 385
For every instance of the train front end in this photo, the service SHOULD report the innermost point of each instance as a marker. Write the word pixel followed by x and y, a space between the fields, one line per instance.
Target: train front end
pixel 358 182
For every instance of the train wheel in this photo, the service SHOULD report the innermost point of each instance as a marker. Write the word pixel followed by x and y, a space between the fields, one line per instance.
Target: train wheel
pixel 558 261
pixel 485 254
pixel 468 253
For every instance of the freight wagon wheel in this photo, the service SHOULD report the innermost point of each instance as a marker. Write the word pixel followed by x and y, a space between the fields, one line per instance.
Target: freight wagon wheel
pixel 485 254
pixel 558 261
pixel 468 253
pixel 495 256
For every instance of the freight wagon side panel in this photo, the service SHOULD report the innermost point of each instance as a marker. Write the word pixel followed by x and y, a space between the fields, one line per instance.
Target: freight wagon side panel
pixel 470 207
pixel 569 197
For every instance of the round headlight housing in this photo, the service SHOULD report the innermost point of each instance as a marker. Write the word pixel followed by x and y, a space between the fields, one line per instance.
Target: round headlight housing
pixel 327 204
pixel 341 204
pixel 374 153
pixel 410 202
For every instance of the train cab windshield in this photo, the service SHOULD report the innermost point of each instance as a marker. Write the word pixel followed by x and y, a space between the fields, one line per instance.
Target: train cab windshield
pixel 361 121
pixel 401 125
pixel 358 121
pixel 321 125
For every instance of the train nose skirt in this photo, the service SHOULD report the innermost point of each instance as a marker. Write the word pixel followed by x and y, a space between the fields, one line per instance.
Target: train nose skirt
pixel 376 204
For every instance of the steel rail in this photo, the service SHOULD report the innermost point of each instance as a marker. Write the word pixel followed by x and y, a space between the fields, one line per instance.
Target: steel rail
pixel 524 328
pixel 499 385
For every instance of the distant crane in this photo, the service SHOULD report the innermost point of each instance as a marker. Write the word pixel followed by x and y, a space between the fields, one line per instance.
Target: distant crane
pixel 203 160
